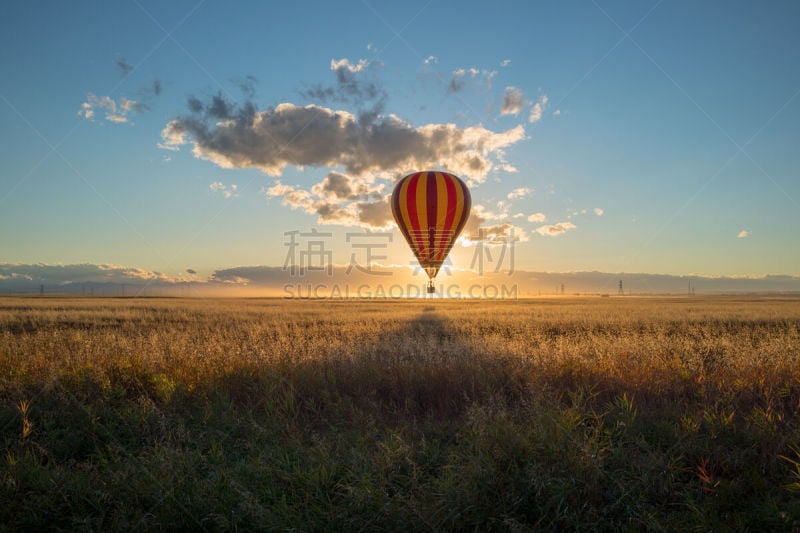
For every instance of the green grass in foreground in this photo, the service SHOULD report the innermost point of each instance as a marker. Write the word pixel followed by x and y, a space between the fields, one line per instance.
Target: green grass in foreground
pixel 610 414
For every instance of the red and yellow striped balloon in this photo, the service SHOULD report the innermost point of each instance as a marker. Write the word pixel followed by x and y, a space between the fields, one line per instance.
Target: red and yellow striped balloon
pixel 431 208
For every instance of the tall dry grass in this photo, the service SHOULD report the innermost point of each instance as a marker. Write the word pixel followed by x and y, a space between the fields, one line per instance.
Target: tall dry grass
pixel 657 413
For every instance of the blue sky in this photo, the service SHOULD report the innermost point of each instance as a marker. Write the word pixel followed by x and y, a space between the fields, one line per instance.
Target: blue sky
pixel 665 139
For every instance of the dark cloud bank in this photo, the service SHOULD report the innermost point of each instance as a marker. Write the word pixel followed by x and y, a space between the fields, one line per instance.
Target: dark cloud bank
pixel 116 280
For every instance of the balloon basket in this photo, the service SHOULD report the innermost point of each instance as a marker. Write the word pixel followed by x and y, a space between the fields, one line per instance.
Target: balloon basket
pixel 431 287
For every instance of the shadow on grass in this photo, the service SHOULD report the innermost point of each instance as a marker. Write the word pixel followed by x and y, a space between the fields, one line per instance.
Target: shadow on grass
pixel 421 369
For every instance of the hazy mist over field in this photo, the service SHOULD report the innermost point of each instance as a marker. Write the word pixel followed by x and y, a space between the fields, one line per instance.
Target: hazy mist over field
pixel 392 282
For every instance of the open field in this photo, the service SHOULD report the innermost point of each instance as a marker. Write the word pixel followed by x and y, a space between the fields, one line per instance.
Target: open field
pixel 614 413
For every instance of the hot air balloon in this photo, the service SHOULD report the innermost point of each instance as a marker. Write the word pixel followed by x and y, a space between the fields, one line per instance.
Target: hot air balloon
pixel 431 208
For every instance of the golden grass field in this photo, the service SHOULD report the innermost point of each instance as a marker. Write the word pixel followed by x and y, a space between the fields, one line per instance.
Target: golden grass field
pixel 561 413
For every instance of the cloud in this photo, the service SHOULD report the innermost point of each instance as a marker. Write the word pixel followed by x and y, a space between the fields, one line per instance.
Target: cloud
pixel 114 111
pixel 344 64
pixel 292 196
pixel 513 101
pixel 537 109
pixel 480 214
pixel 62 275
pixel 126 105
pixel 743 234
pixel 361 151
pixel 556 112
pixel 599 211
pixel 501 232
pixel 536 113
pixel 520 192
pixel 431 60
pixel 375 214
pixel 537 217
pixel 124 67
pixel 118 111
pixel 246 85
pixel 493 234
pixel 338 199
pixel 316 136
pixel 336 184
pixel 367 95
pixel 505 63
pixel 225 190
pixel 556 229
pixel 191 271
pixel 343 187
pixel 109 279
pixel 171 148
pixel 458 80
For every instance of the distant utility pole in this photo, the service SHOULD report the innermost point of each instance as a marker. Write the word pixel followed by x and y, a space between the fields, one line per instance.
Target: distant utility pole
pixel 621 292
pixel 41 290
pixel 562 289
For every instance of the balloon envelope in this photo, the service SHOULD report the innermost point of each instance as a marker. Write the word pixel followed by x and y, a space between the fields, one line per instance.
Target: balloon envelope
pixel 431 208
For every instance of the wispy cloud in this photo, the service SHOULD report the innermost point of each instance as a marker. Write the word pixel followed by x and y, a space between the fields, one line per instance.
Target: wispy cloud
pixel 555 229
pixel 431 60
pixel 513 101
pixel 460 76
pixel 338 65
pixel 353 86
pixel 497 233
pixel 743 234
pixel 124 67
pixel 247 85
pixel 599 211
pixel 537 217
pixel 119 111
pixel 113 111
pixel 491 227
pixel 227 191
pixel 520 192
pixel 505 63
pixel 537 109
